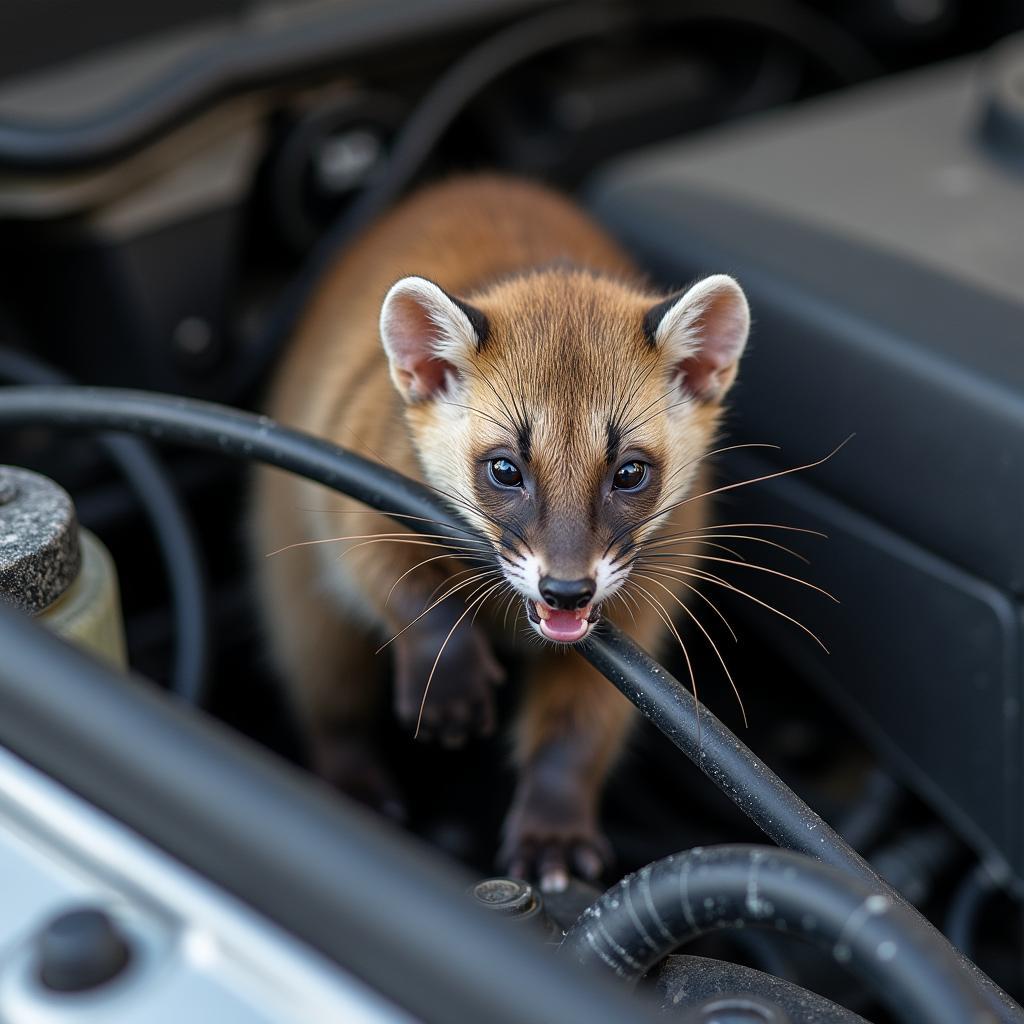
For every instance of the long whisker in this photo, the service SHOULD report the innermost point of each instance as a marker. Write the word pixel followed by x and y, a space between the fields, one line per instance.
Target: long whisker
pixel 470 507
pixel 685 535
pixel 437 490
pixel 517 398
pixel 660 611
pixel 427 561
pixel 425 538
pixel 661 511
pixel 625 595
pixel 700 574
pixel 766 526
pixel 455 552
pixel 482 603
pixel 706 539
pixel 433 669
pixel 396 515
pixel 449 579
pixel 694 590
pixel 513 594
pixel 444 597
pixel 757 479
pixel 707 636
pixel 763 568
pixel 619 596
pixel 644 545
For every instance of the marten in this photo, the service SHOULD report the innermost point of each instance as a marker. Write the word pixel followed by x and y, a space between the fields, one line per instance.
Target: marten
pixel 489 339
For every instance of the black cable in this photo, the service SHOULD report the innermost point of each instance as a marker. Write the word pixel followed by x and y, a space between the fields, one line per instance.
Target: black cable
pixel 722 756
pixel 744 778
pixel 716 750
pixel 172 530
pixel 346 884
pixel 819 39
pixel 416 140
pixel 648 914
pixel 740 774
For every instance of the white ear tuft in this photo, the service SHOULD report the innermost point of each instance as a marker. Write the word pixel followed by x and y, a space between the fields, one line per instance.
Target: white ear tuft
pixel 428 336
pixel 704 332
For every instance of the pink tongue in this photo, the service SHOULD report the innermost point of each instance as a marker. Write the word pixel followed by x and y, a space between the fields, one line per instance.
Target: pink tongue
pixel 563 626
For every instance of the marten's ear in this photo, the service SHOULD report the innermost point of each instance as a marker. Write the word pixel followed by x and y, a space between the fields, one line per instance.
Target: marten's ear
pixel 703 330
pixel 429 337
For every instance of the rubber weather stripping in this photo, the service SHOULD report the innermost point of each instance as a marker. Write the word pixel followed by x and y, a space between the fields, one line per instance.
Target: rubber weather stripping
pixel 661 698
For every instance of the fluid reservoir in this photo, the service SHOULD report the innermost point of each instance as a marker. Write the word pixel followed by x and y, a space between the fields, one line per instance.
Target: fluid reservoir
pixel 55 570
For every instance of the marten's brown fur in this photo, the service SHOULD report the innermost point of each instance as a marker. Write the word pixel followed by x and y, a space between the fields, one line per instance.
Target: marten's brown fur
pixel 528 346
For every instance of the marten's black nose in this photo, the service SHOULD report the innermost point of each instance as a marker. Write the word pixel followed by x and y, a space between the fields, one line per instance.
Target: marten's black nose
pixel 566 595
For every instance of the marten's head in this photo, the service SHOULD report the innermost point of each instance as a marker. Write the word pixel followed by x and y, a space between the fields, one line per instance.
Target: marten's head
pixel 565 414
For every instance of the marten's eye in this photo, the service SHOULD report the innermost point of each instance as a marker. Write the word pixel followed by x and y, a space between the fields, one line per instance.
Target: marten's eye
pixel 629 476
pixel 504 473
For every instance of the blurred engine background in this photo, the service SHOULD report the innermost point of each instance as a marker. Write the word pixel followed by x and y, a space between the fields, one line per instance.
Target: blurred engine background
pixel 167 169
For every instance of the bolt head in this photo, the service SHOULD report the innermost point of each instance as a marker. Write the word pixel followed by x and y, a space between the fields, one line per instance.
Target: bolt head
pixel 80 950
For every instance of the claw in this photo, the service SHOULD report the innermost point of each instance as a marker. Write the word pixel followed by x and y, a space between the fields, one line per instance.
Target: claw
pixel 552 859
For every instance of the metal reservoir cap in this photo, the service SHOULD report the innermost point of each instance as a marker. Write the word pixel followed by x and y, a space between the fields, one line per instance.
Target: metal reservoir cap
pixel 39 546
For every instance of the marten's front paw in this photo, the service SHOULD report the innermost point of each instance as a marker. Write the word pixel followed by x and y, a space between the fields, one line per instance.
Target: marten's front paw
pixel 548 848
pixel 460 701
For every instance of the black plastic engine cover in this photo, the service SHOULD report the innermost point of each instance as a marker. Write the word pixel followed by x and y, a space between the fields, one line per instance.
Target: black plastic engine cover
pixel 882 247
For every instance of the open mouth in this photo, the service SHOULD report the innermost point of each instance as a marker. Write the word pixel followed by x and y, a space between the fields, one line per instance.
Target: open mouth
pixel 564 627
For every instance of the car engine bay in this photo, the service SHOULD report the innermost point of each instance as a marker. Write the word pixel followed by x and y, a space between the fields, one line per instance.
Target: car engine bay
pixel 172 186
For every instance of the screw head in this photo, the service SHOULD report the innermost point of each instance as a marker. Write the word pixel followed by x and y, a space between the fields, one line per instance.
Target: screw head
pixel 508 896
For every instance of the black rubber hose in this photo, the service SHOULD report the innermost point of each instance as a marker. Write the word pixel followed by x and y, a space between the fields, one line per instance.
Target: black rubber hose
pixel 744 778
pixel 346 884
pixel 416 140
pixel 234 434
pixel 648 914
pixel 172 529
pixel 722 756
pixel 718 752
pixel 742 775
